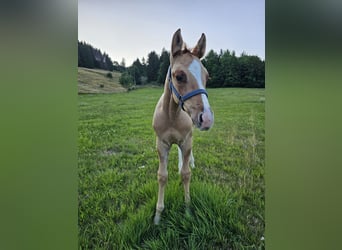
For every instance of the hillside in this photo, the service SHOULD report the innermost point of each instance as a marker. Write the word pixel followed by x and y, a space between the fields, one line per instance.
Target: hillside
pixel 96 81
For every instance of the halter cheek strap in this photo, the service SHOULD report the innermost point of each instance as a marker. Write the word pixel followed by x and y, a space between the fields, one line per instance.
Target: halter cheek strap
pixel 182 99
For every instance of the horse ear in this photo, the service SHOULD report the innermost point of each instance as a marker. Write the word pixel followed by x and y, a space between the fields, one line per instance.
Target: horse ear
pixel 199 50
pixel 177 43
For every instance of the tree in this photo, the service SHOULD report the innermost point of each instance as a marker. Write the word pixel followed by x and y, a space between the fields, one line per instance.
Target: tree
pixel 137 71
pixel 229 68
pixel 85 53
pixel 123 63
pixel 256 72
pixel 244 70
pixel 164 66
pixel 152 68
pixel 225 68
pixel 233 77
pixel 108 63
pixel 126 80
pixel 212 63
pixel 261 74
pixel 90 57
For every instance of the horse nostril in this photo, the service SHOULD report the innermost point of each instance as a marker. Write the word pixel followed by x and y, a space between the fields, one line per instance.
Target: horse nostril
pixel 201 118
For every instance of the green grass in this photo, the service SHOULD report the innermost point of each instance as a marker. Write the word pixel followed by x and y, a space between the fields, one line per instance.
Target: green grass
pixel 96 81
pixel 118 167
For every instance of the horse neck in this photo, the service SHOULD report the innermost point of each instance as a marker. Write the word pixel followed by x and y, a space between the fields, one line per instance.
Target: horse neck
pixel 169 105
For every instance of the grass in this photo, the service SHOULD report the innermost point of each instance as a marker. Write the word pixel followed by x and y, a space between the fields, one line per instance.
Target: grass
pixel 96 81
pixel 118 175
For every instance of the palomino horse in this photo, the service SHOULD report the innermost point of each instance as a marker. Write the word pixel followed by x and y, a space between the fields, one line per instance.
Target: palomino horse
pixel 183 104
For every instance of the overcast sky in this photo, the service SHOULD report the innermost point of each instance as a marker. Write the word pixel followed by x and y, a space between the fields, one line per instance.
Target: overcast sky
pixel 131 29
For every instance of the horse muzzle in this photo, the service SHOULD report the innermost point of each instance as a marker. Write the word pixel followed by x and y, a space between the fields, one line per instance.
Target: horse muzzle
pixel 205 119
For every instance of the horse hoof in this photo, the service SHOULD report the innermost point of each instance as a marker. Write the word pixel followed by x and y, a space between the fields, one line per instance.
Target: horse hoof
pixel 188 213
pixel 156 220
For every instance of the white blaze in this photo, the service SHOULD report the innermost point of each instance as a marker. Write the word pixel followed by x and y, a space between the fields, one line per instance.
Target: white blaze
pixel 195 70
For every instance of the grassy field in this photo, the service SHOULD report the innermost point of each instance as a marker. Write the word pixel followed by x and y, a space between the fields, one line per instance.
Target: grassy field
pixel 96 81
pixel 118 175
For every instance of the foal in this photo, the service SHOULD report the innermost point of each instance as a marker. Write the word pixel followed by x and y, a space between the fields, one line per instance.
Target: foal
pixel 183 104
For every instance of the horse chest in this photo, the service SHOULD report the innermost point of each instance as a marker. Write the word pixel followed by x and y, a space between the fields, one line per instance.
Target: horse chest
pixel 175 136
pixel 173 132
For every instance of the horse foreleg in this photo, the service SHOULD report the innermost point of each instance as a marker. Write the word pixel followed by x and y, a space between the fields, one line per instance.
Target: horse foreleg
pixel 185 170
pixel 163 151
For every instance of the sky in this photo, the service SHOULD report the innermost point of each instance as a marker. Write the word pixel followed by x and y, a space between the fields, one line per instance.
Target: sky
pixel 131 29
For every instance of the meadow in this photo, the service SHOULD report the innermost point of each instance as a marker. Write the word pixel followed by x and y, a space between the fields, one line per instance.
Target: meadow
pixel 118 163
pixel 97 81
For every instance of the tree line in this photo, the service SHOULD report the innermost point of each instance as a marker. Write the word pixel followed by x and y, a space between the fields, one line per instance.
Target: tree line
pixel 152 71
pixel 90 57
pixel 225 68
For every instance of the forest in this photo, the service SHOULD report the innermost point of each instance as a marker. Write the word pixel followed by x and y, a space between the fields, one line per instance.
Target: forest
pixel 225 68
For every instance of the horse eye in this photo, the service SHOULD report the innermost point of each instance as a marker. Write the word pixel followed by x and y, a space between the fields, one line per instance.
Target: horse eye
pixel 181 77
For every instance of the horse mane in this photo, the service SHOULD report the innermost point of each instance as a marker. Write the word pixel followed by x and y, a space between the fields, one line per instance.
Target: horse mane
pixel 184 50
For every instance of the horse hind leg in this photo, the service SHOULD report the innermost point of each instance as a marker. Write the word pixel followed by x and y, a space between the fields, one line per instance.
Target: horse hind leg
pixel 180 160
pixel 185 171
pixel 192 160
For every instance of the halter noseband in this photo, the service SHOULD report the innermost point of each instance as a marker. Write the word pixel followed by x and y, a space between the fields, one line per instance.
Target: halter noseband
pixel 182 99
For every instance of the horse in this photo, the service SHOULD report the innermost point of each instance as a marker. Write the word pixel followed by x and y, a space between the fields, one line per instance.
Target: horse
pixel 183 105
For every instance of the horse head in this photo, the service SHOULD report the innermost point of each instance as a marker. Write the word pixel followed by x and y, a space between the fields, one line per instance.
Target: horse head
pixel 187 79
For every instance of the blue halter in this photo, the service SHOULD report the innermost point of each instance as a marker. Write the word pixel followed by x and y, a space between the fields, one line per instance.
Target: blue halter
pixel 180 98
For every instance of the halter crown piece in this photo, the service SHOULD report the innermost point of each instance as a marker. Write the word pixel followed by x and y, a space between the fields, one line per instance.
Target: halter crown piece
pixel 182 99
